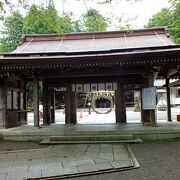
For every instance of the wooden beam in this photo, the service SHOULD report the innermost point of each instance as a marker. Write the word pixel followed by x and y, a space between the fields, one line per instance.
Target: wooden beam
pixel 171 72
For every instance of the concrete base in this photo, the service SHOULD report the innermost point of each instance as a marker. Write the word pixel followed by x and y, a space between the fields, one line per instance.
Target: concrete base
pixel 169 130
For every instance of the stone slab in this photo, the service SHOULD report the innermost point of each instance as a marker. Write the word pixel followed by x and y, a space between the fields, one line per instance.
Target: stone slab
pixel 63 160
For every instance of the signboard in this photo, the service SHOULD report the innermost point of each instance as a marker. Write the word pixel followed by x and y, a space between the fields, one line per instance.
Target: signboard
pixel 149 98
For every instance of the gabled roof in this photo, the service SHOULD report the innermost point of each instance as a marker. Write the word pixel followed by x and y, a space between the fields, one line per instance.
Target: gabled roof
pixel 94 41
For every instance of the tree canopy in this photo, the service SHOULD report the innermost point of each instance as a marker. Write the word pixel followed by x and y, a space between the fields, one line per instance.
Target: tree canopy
pixel 12 31
pixel 41 20
pixel 168 17
pixel 38 20
pixel 46 20
pixel 93 21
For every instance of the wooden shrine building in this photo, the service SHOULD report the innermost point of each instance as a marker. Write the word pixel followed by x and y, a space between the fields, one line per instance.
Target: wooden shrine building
pixel 123 59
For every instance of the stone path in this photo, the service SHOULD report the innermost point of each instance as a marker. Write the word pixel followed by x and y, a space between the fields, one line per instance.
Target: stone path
pixel 63 160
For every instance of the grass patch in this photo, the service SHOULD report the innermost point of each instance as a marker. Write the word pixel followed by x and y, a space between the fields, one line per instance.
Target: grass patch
pixel 177 139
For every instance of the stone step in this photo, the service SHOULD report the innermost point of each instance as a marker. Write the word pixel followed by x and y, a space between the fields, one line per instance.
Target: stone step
pixel 91 138
pixel 48 142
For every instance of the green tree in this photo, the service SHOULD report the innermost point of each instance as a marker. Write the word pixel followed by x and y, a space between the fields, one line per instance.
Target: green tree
pixel 11 32
pixel 168 17
pixel 93 21
pixel 175 9
pixel 41 20
pixel 163 18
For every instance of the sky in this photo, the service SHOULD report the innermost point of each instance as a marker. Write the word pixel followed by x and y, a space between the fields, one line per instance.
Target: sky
pixel 138 12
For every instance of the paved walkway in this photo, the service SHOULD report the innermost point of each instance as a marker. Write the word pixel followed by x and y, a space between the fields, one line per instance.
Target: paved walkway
pixel 65 160
pixel 94 118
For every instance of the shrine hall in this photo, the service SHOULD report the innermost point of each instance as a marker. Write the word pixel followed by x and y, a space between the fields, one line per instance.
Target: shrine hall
pixel 94 69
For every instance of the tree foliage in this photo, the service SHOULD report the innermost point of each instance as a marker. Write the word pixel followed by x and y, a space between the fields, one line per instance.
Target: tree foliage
pixel 12 31
pixel 168 17
pixel 163 18
pixel 40 20
pixel 94 21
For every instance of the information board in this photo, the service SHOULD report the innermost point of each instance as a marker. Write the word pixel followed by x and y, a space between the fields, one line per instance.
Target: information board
pixel 149 98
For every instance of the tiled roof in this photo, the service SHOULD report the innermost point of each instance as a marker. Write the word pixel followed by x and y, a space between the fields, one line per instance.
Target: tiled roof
pixel 95 41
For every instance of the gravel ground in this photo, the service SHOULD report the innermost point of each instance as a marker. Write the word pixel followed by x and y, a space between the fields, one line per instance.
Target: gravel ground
pixel 12 145
pixel 158 160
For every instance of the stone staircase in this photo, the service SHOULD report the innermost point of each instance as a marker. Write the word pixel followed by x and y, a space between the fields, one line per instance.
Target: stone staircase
pixel 91 139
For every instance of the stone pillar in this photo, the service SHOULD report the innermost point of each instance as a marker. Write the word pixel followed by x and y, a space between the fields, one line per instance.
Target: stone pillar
pixel 168 100
pixel 36 101
pixel 120 104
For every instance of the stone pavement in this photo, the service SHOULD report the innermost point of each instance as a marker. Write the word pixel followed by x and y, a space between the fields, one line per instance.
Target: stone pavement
pixel 65 160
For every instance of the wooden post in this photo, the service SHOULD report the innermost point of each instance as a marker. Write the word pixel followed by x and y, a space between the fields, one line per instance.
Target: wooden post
pixel 67 107
pixel 152 117
pixel 45 102
pixel 70 106
pixel 73 108
pixel 36 101
pixel 144 113
pixel 168 100
pixel 49 106
pixel 25 102
pixel 120 104
pixel 52 106
pixel 4 103
pixel 148 116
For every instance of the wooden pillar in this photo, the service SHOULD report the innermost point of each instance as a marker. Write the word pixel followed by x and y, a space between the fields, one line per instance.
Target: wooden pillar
pixel 73 108
pixel 144 113
pixel 3 96
pixel 45 101
pixel 152 117
pixel 36 101
pixel 67 106
pixel 25 102
pixel 148 116
pixel 168 100
pixel 52 106
pixel 120 104
pixel 49 107
pixel 70 106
